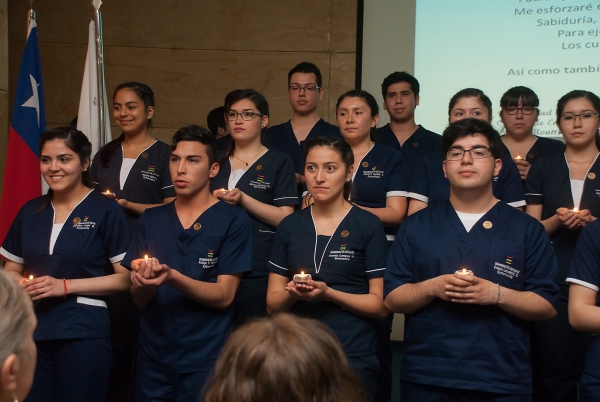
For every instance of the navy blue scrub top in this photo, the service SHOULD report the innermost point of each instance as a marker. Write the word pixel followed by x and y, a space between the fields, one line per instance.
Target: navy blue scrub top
pixel 585 271
pixel 281 138
pixel 430 186
pixel 470 346
pixel 270 180
pixel 346 261
pixel 540 148
pixel 549 183
pixel 93 237
pixel 419 144
pixel 148 182
pixel 223 146
pixel 381 173
pixel 179 335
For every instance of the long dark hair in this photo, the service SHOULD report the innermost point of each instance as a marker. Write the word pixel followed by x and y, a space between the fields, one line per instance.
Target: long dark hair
pixel 470 93
pixel 342 148
pixel 77 142
pixel 261 105
pixel 578 94
pixel 143 92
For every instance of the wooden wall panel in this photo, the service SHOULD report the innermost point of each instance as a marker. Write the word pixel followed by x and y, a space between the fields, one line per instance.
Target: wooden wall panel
pixel 191 53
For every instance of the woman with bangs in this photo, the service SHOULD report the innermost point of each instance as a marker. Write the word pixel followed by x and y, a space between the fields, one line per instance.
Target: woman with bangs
pixel 561 193
pixel 519 114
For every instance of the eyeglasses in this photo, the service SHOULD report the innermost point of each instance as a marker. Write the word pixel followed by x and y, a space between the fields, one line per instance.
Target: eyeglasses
pixel 476 153
pixel 524 109
pixel 246 116
pixel 307 89
pixel 585 117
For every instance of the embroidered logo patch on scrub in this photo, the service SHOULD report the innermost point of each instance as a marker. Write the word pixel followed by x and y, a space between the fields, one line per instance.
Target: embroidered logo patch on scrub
pixel 487 224
pixel 345 233
pixel 591 176
pixel 144 155
pixel 197 226
pixel 365 164
pixel 259 167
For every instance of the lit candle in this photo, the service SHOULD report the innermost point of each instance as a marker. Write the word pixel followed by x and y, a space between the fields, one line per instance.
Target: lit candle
pixel 575 210
pixel 108 192
pixel 301 278
pixel 464 271
pixel 30 277
pixel 518 158
pixel 223 191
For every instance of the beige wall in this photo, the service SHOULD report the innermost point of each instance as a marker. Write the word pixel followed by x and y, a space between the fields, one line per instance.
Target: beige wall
pixel 191 53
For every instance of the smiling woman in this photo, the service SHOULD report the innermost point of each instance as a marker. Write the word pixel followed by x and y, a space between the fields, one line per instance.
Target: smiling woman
pixel 69 243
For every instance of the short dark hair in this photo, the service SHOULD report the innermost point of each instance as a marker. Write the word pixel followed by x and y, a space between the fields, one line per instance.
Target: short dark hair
pixel 470 93
pixel 198 134
pixel 471 126
pixel 526 95
pixel 216 119
pixel 400 76
pixel 365 96
pixel 306 68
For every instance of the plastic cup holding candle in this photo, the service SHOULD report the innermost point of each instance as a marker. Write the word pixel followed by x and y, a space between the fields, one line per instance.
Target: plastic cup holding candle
pixel 464 271
pixel 301 278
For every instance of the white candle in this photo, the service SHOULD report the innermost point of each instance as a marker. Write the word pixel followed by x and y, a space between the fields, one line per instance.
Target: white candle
pixel 518 158
pixel 576 210
pixel 301 278
pixel 464 271
pixel 30 277
pixel 223 191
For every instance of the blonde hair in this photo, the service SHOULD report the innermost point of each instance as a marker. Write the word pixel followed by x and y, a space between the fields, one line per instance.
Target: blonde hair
pixel 283 358
pixel 16 314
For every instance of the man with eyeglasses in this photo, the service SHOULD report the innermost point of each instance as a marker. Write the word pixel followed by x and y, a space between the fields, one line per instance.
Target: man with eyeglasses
pixel 400 92
pixel 304 93
pixel 470 273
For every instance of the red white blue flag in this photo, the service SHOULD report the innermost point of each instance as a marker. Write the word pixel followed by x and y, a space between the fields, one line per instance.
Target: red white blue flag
pixel 22 179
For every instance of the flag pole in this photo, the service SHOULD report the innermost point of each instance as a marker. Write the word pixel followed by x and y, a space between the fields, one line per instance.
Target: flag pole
pixel 100 71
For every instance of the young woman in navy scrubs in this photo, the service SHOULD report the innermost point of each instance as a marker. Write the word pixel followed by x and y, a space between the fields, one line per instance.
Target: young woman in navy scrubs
pixel 555 186
pixel 380 183
pixel 134 170
pixel 69 245
pixel 429 184
pixel 260 180
pixel 345 250
pixel 519 114
pixel 584 311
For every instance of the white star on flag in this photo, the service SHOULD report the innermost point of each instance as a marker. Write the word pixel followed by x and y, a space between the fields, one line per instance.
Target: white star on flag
pixel 34 101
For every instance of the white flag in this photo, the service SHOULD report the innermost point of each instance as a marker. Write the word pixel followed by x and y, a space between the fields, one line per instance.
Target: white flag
pixel 88 117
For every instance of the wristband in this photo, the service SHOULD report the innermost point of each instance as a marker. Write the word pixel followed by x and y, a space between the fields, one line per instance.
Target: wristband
pixel 497 300
pixel 65 285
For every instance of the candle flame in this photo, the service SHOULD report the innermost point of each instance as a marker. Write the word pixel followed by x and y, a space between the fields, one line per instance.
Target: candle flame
pixel 301 272
pixel 519 157
pixel 30 277
pixel 146 257
pixel 575 209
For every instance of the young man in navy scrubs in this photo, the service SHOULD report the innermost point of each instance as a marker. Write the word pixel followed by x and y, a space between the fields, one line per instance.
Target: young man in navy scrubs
pixel 400 92
pixel 198 249
pixel 304 93
pixel 466 334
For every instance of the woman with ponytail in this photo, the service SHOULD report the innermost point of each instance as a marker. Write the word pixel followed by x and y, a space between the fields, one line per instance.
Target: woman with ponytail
pixel 65 250
pixel 260 180
pixel 343 248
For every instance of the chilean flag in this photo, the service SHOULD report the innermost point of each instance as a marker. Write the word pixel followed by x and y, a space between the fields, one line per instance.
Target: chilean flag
pixel 22 179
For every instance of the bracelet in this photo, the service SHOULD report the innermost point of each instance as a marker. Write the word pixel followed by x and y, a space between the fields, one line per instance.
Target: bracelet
pixel 498 299
pixel 65 285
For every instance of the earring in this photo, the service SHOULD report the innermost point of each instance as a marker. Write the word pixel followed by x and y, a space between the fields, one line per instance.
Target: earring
pixel 263 127
pixel 85 170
